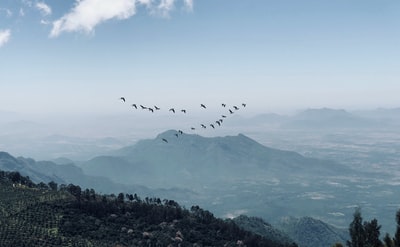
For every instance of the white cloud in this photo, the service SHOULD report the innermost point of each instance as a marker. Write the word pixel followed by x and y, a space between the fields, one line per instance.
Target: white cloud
pixel 21 12
pixel 7 11
pixel 43 8
pixel 4 36
pixel 87 14
pixel 188 4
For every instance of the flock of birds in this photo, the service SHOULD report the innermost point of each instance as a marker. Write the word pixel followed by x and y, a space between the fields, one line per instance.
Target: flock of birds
pixel 213 125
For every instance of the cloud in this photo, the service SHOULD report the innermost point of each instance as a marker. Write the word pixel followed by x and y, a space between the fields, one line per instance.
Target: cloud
pixel 4 36
pixel 87 14
pixel 188 4
pixel 43 8
pixel 21 12
pixel 7 11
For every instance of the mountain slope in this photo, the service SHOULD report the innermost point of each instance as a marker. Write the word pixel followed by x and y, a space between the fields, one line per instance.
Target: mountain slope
pixel 33 216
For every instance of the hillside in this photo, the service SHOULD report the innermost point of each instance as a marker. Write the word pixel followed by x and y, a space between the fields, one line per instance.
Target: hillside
pixel 36 215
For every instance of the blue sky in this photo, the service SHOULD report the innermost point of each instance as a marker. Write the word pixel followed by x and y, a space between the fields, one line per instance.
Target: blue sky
pixel 81 56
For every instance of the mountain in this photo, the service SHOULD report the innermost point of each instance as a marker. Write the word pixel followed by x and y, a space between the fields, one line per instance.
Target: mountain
pixel 262 228
pixel 310 232
pixel 326 118
pixel 193 160
pixel 31 215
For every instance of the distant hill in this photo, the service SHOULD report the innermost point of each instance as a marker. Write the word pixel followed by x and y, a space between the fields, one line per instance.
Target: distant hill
pixel 262 228
pixel 310 232
pixel 195 160
pixel 326 118
pixel 33 215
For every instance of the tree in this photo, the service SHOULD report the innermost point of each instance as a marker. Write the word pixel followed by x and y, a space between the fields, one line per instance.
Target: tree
pixel 372 232
pixel 388 240
pixel 53 185
pixel 397 234
pixel 121 198
pixel 356 230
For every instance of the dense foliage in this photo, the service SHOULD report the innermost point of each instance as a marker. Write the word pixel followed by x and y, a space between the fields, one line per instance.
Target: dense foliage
pixel 51 215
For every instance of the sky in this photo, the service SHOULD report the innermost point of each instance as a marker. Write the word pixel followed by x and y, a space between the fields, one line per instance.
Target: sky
pixel 81 56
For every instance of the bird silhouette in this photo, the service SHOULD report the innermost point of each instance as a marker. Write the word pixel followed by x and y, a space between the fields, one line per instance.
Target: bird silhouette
pixel 230 111
pixel 157 108
pixel 235 107
pixel 192 128
pixel 164 140
pixel 172 109
pixel 176 135
pixel 143 107
pixel 243 104
pixel 202 125
pixel 223 105
pixel 183 110
pixel 223 116
pixel 212 125
pixel 122 98
pixel 180 132
pixel 202 105
pixel 134 105
pixel 151 109
pixel 218 122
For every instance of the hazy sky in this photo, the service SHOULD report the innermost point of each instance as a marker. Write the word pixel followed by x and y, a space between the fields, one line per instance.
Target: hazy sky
pixel 81 56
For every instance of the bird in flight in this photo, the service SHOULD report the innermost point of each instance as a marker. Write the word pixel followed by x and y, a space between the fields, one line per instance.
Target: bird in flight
pixel 122 98
pixel 164 140
pixel 134 105
pixel 183 110
pixel 223 116
pixel 235 107
pixel 212 125
pixel 218 122
pixel 193 128
pixel 157 108
pixel 176 134
pixel 143 107
pixel 202 105
pixel 230 111
pixel 180 132
pixel 202 125
pixel 151 109
pixel 172 109
pixel 223 105
pixel 243 104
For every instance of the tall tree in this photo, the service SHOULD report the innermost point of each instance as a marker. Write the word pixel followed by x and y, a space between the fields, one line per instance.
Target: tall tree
pixel 372 232
pixel 397 234
pixel 356 230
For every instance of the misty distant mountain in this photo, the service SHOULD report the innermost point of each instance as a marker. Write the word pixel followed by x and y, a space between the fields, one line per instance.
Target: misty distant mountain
pixel 326 118
pixel 384 116
pixel 310 232
pixel 195 160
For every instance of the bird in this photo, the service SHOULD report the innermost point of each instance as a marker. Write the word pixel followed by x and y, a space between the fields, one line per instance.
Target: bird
pixel 164 140
pixel 202 105
pixel 221 120
pixel 172 109
pixel 183 110
pixel 151 109
pixel 157 108
pixel 235 107
pixel 192 128
pixel 230 111
pixel 176 134
pixel 123 99
pixel 223 116
pixel 218 122
pixel 134 105
pixel 212 125
pixel 143 107
pixel 180 132
pixel 202 125
pixel 223 105
pixel 243 104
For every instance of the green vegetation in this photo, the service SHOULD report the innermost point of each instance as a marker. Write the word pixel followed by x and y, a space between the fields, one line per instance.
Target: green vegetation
pixel 367 233
pixel 51 215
